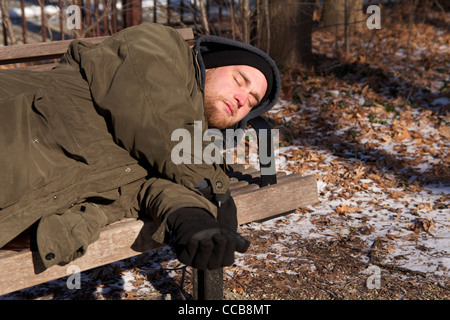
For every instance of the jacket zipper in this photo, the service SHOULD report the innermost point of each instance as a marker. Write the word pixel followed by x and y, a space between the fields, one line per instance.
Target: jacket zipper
pixel 198 70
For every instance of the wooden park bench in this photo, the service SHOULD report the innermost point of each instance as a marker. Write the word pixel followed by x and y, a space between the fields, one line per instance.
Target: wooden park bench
pixel 257 197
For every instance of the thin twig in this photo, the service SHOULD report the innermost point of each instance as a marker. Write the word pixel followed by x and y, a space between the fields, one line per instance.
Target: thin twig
pixel 397 268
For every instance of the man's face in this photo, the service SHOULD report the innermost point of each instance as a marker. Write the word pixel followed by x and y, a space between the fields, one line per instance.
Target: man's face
pixel 231 92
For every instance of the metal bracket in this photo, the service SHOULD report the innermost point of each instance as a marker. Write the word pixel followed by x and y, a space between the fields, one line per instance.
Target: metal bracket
pixel 208 284
pixel 266 150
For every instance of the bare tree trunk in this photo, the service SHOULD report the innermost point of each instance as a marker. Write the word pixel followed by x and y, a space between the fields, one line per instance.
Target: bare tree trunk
pixel 204 17
pixel 412 17
pixel 343 15
pixel 245 16
pixel 347 29
pixel 291 27
pixel 267 23
pixel 8 31
pixel 24 22
pixel 131 13
pixel 43 21
pixel 259 24
pixel 260 37
pixel 233 22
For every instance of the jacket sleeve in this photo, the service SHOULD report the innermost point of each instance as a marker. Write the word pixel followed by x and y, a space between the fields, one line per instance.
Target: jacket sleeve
pixel 158 198
pixel 143 81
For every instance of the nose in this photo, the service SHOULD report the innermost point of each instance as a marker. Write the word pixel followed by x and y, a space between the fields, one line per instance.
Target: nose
pixel 241 97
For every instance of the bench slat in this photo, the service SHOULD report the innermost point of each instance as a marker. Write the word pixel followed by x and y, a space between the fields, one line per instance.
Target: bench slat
pixel 290 192
pixel 38 51
pixel 24 269
pixel 55 49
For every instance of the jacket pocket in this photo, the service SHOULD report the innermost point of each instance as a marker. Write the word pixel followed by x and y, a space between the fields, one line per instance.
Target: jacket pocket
pixel 62 238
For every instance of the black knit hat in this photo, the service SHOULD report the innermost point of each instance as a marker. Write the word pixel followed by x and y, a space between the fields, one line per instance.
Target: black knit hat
pixel 237 56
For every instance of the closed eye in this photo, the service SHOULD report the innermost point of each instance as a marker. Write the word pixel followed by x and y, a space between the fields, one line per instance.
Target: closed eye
pixel 238 81
pixel 247 81
pixel 254 103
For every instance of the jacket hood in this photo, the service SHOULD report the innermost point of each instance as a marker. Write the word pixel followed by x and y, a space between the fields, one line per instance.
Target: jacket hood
pixel 206 44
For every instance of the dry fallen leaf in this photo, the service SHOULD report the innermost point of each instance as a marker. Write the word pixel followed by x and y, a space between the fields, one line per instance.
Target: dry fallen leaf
pixel 425 206
pixel 445 131
pixel 343 209
pixel 403 134
pixel 413 236
pixel 393 236
pixel 321 221
pixel 422 225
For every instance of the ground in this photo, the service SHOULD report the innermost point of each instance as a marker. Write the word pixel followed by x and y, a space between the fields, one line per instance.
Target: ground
pixel 375 131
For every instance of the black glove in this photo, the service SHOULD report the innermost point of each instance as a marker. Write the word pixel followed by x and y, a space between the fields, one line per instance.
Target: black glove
pixel 202 242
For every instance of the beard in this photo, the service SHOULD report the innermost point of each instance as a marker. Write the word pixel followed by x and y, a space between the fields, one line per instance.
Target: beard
pixel 216 115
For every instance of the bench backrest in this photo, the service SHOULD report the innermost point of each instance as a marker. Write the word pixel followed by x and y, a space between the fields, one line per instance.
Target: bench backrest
pixel 43 56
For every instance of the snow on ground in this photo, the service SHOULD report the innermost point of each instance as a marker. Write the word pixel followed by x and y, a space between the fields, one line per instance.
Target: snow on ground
pixel 388 217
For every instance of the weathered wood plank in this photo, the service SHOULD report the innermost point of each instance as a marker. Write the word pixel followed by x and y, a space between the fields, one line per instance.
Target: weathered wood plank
pixel 38 51
pixel 55 49
pixel 117 242
pixel 290 192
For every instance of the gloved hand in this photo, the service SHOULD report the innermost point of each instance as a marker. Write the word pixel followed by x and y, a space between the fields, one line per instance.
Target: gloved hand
pixel 202 242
